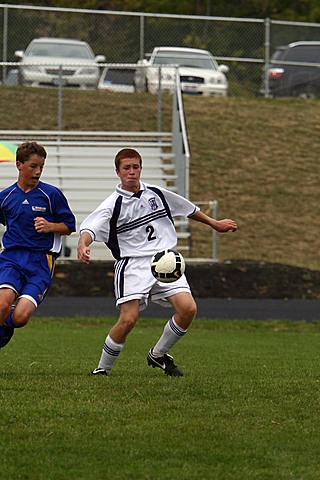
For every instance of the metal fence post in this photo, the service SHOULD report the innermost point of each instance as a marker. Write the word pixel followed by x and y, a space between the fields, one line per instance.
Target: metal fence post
pixel 60 100
pixel 142 37
pixel 5 43
pixel 266 56
pixel 215 234
pixel 159 101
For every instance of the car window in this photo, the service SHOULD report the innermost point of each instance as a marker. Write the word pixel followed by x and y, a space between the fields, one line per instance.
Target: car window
pixel 59 50
pixel 279 54
pixel 122 76
pixel 304 53
pixel 184 60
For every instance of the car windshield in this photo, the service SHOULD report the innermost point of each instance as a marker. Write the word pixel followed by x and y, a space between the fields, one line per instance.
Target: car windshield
pixel 185 60
pixel 59 50
pixel 123 76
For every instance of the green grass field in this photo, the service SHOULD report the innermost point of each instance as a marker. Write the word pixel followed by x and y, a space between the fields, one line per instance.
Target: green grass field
pixel 247 408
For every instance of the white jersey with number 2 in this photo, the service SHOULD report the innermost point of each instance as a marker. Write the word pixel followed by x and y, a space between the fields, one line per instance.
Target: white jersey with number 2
pixel 137 224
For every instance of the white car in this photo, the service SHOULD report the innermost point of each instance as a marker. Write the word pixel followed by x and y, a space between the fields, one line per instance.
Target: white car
pixel 48 61
pixel 117 79
pixel 198 70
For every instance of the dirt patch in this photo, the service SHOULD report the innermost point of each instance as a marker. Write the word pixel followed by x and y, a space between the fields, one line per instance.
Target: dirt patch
pixel 232 279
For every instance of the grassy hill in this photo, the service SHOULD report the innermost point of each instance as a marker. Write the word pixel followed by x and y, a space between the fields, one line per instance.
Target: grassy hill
pixel 258 157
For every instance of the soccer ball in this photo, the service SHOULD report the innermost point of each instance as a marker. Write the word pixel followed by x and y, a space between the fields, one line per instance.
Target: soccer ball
pixel 167 265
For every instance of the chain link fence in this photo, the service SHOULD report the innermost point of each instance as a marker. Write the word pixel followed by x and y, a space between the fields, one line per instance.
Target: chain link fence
pixel 244 45
pixel 124 39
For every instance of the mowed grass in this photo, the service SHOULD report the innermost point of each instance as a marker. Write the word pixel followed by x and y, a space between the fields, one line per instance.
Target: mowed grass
pixel 258 157
pixel 248 406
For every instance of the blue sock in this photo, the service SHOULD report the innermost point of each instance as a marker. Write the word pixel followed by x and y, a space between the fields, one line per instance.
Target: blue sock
pixel 1 334
pixel 9 321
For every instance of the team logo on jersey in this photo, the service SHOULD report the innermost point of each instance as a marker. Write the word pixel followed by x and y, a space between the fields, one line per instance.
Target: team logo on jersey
pixel 153 203
pixel 25 202
pixel 39 209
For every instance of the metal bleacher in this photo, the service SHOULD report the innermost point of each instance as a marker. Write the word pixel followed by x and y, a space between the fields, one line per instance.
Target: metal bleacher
pixel 81 164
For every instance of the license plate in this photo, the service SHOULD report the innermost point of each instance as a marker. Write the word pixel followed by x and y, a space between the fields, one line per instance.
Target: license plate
pixel 190 89
pixel 56 81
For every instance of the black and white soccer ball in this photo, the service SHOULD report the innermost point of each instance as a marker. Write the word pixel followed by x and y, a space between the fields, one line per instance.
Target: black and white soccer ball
pixel 167 265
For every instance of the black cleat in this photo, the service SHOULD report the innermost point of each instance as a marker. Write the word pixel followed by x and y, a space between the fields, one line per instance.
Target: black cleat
pixel 99 371
pixel 7 333
pixel 165 363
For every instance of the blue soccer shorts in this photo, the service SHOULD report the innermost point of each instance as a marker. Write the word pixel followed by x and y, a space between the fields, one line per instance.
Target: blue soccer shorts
pixel 26 272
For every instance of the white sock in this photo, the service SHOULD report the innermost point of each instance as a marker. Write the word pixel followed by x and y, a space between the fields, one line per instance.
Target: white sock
pixel 171 334
pixel 109 354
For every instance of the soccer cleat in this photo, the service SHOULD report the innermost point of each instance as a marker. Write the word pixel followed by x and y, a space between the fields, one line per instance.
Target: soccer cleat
pixel 6 333
pixel 165 363
pixel 99 371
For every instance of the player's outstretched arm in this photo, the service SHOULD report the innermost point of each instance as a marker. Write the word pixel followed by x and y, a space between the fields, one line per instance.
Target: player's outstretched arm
pixel 83 247
pixel 220 226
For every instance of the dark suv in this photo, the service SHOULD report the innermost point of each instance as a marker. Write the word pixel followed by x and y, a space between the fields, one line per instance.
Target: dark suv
pixel 294 71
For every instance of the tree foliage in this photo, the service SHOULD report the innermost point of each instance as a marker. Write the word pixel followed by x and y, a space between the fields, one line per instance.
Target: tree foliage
pixel 118 36
pixel 293 10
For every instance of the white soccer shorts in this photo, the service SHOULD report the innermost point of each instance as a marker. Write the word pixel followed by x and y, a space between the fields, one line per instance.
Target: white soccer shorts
pixel 133 280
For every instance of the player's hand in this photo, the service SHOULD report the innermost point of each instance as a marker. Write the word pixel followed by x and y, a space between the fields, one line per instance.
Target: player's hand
pixel 226 225
pixel 42 225
pixel 84 254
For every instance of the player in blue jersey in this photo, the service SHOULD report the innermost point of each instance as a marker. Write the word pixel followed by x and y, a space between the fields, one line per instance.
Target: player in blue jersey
pixel 135 222
pixel 35 215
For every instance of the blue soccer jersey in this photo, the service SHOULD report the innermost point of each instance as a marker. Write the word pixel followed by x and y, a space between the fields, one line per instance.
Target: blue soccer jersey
pixel 18 209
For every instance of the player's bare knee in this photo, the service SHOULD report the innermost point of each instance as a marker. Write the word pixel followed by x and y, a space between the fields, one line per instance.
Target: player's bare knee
pixel 128 322
pixel 20 319
pixel 191 313
pixel 186 313
pixel 194 307
pixel 5 308
pixel 190 310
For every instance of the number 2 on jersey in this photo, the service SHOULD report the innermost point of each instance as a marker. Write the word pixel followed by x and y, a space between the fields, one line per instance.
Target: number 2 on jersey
pixel 150 231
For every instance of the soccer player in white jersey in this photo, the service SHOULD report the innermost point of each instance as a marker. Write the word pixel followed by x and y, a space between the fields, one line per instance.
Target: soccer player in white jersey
pixel 135 222
pixel 35 215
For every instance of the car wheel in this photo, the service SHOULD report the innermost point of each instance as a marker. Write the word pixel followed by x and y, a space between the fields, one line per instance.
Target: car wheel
pixel 139 85
pixel 136 87
pixel 307 92
pixel 20 78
